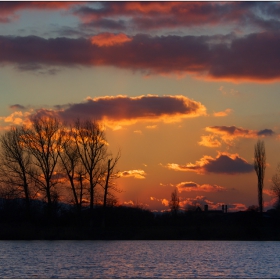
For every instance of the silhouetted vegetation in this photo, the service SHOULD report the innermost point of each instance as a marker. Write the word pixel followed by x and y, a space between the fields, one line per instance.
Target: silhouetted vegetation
pixel 275 187
pixel 57 182
pixel 174 203
pixel 54 162
pixel 260 165
pixel 132 223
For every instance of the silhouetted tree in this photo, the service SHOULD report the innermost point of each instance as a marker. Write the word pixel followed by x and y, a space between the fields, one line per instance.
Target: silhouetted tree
pixel 92 148
pixel 15 166
pixel 39 156
pixel 71 164
pixel 111 164
pixel 109 175
pixel 174 202
pixel 260 165
pixel 43 140
pixel 275 187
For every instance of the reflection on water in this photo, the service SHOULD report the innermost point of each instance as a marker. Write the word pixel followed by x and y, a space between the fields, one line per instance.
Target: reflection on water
pixel 139 259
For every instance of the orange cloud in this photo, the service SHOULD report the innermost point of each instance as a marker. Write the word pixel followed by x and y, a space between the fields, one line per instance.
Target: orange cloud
pixel 109 39
pixel 192 186
pixel 118 111
pixel 163 201
pixel 268 192
pixel 151 126
pixel 235 207
pixel 129 203
pixel 228 134
pixel 224 163
pixel 138 174
pixel 149 7
pixel 222 113
pixel 209 141
pixel 17 118
pixel 231 92
pixel 199 201
pixel 202 200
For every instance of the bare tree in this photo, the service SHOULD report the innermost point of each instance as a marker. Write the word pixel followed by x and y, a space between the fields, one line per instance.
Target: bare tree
pixel 71 163
pixel 260 165
pixel 15 165
pixel 42 140
pixel 275 186
pixel 92 148
pixel 174 202
pixel 111 164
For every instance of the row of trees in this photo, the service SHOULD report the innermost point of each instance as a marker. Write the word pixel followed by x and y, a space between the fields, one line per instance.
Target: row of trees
pixel 47 158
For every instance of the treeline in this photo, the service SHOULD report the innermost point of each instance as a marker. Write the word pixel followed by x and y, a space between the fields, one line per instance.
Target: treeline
pixel 134 223
pixel 51 161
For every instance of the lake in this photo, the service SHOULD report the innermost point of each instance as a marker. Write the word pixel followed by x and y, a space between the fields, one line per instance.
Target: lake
pixel 139 259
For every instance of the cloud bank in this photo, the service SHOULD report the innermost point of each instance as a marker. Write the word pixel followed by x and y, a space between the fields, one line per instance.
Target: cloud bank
pixel 147 16
pixel 118 111
pixel 203 56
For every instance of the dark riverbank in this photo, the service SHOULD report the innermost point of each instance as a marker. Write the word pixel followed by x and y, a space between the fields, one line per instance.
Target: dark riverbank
pixel 126 223
pixel 33 232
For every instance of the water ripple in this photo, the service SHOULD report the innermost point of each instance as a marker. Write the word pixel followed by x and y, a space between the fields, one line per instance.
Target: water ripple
pixel 139 259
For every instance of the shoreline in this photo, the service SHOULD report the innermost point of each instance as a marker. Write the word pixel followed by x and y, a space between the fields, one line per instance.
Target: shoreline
pixel 33 232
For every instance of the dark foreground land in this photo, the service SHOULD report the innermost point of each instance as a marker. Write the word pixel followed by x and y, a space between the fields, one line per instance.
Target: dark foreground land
pixel 126 223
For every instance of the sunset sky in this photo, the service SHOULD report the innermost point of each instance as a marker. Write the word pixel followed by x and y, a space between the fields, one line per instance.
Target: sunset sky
pixel 184 89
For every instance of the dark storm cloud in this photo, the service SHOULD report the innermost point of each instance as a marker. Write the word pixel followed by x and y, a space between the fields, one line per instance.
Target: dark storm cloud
pixel 145 16
pixel 255 56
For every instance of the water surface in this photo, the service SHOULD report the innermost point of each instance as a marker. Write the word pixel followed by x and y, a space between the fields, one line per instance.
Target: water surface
pixel 139 259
